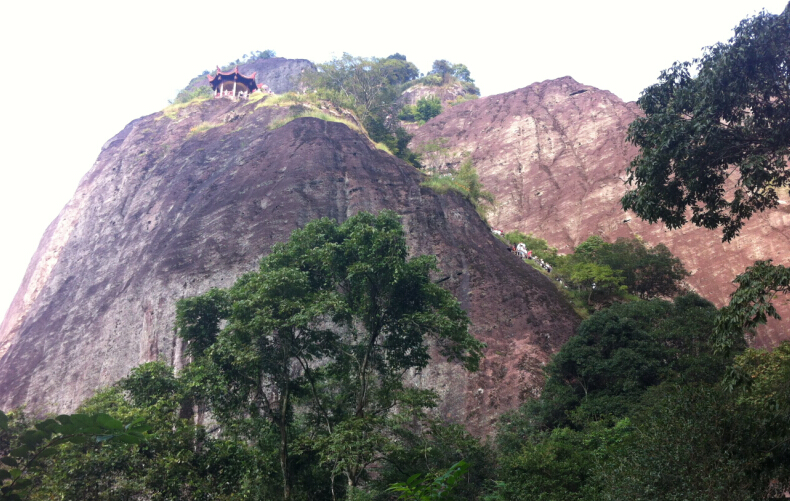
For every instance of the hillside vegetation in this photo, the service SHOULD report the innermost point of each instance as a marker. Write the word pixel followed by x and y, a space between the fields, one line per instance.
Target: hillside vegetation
pixel 295 387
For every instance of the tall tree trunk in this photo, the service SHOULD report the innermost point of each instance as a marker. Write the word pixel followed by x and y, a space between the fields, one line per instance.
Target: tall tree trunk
pixel 363 375
pixel 283 425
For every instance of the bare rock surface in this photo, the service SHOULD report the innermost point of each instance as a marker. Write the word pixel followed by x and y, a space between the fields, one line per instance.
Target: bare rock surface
pixel 280 74
pixel 446 93
pixel 554 154
pixel 178 203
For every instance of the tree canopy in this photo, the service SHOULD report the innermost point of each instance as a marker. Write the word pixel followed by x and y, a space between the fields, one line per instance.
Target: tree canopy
pixel 717 142
pixel 336 316
pixel 717 145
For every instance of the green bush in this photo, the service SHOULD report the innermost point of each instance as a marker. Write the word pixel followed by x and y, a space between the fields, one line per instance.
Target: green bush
pixel 428 107
pixel 408 113
pixel 185 96
pixel 466 182
pixel 425 109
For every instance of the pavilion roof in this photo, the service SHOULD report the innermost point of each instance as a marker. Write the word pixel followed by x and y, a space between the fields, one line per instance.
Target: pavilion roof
pixel 229 76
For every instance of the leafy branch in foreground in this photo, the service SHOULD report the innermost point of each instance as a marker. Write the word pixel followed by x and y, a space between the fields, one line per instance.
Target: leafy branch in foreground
pixel 752 303
pixel 419 488
pixel 42 442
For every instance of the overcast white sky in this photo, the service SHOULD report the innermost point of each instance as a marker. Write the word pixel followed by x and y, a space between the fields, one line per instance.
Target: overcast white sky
pixel 54 121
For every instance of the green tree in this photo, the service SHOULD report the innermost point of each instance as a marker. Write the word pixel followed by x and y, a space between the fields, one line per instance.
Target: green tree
pixel 371 83
pixel 732 116
pixel 337 314
pixel 445 71
pixel 647 271
pixel 28 451
pixel 621 351
pixel 625 265
pixel 424 445
pixel 371 87
pixel 717 144
pixel 442 67
pixel 752 303
pixel 273 324
pixel 428 107
pixel 594 278
pixel 466 181
pixel 701 441
pixel 431 487
pixel 178 461
pixel 563 464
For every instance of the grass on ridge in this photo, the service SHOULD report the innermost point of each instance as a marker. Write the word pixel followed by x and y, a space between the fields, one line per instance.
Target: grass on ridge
pixel 202 127
pixel 313 114
pixel 173 110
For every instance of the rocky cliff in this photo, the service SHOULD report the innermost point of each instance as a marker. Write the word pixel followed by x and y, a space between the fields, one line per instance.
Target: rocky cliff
pixel 182 201
pixel 554 154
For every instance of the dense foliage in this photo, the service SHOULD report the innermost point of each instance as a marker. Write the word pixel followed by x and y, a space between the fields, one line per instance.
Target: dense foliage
pixel 639 406
pixel 24 451
pixel 372 88
pixel 296 391
pixel 444 72
pixel 598 272
pixel 425 109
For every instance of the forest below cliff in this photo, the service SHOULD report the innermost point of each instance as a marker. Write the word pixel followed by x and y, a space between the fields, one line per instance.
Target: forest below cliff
pixel 296 382
pixel 296 391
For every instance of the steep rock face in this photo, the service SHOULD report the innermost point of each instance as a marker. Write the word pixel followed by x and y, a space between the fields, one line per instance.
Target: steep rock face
pixel 168 212
pixel 554 154
pixel 445 93
pixel 280 74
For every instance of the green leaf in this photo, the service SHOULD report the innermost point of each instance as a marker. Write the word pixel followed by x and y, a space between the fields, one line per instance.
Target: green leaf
pixel 133 423
pixel 15 473
pixel 81 420
pixel 78 439
pixel 140 428
pixel 108 422
pixel 9 461
pixel 3 421
pixel 4 475
pixel 20 452
pixel 49 451
pixel 25 482
pixel 33 438
pixel 128 439
pixel 64 419
pixel 68 429
pixel 49 425
pixel 103 438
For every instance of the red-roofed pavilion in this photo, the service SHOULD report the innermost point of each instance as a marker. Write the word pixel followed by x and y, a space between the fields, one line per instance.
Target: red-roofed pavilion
pixel 232 83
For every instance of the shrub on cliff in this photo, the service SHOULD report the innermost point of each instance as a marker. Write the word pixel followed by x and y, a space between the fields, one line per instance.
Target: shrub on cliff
pixel 426 108
pixel 465 181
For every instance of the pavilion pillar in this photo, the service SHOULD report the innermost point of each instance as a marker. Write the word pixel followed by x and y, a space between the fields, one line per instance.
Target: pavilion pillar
pixel 234 88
